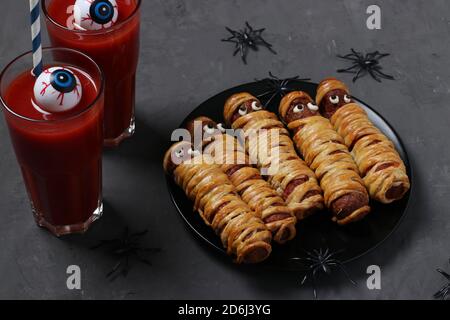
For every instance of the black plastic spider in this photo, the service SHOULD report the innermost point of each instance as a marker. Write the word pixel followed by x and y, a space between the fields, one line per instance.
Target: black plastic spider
pixel 125 248
pixel 246 39
pixel 363 64
pixel 277 87
pixel 320 261
pixel 444 292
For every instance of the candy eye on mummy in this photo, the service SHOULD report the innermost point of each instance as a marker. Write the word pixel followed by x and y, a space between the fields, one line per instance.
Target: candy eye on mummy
pixel 221 128
pixel 299 108
pixel 334 99
pixel 95 14
pixel 312 107
pixel 181 153
pixel 256 106
pixel 57 89
pixel 347 99
pixel 243 110
pixel 209 129
pixel 193 152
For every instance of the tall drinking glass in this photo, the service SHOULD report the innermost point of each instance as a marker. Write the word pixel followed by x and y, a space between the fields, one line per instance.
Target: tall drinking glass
pixel 115 48
pixel 59 153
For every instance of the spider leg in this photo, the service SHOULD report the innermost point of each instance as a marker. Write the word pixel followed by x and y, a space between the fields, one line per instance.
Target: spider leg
pixel 267 45
pixel 445 274
pixel 316 265
pixel 274 83
pixel 311 254
pixel 270 100
pixel 273 76
pixel 382 74
pixel 442 293
pixel 446 293
pixel 372 73
pixel 143 259
pixel 349 57
pixel 231 31
pixel 231 39
pixel 122 250
pixel 381 56
pixel 353 54
pixel 313 280
pixel 346 273
pixel 305 277
pixel 244 52
pixel 138 234
pixel 239 48
pixel 285 83
pixel 263 95
pixel 114 269
pixel 369 56
pixel 348 70
pixel 283 87
pixel 333 254
pixel 359 74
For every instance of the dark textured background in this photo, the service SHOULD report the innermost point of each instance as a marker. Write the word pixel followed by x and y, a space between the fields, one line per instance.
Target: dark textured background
pixel 183 63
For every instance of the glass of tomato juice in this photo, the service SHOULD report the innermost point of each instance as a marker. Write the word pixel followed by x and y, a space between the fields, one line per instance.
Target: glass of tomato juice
pixel 114 47
pixel 59 153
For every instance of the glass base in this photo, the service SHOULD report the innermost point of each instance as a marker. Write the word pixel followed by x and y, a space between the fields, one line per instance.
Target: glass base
pixel 68 229
pixel 129 132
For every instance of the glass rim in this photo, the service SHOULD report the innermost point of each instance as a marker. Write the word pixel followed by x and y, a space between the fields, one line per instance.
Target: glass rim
pixel 91 32
pixel 76 115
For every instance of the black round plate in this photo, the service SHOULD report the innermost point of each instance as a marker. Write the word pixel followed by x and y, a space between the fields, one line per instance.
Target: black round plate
pixel 318 231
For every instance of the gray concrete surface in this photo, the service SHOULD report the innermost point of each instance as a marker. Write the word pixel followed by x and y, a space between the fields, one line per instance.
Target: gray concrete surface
pixel 183 63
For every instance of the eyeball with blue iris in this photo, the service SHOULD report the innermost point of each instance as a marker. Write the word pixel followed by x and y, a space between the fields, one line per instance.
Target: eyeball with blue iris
pixel 95 14
pixel 57 89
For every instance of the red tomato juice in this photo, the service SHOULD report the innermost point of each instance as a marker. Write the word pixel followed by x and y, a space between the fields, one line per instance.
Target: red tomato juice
pixel 59 154
pixel 114 49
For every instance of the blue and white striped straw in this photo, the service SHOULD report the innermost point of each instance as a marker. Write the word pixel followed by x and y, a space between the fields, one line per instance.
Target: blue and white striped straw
pixel 36 36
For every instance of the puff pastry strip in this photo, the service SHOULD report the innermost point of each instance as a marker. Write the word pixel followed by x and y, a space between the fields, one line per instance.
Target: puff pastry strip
pixel 273 150
pixel 244 236
pixel 253 189
pixel 324 151
pixel 380 165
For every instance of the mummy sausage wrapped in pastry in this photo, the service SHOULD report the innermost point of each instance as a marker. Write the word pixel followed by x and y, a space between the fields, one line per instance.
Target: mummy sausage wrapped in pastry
pixel 244 236
pixel 325 152
pixel 253 189
pixel 379 164
pixel 267 142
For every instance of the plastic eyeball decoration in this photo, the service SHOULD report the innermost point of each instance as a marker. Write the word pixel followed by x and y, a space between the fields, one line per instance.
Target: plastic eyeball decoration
pixel 95 14
pixel 57 89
